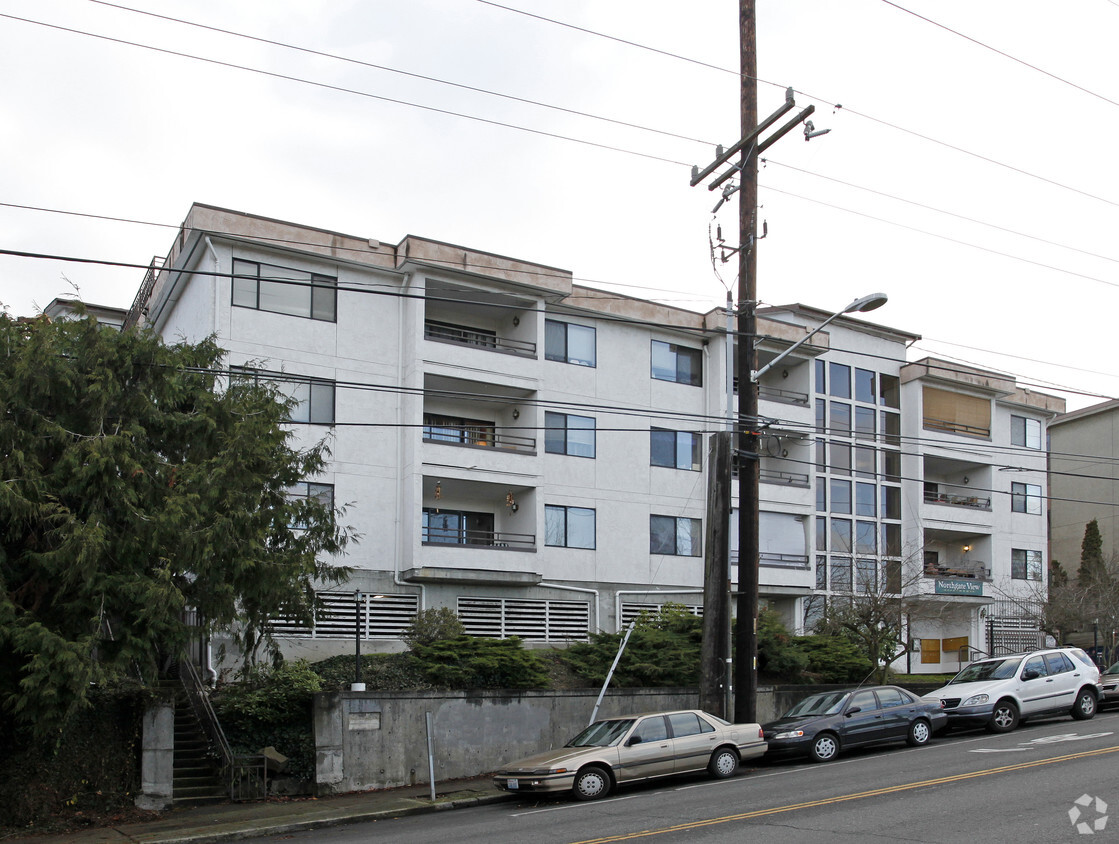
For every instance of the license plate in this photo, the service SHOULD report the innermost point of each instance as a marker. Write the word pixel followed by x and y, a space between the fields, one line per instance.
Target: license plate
pixel 512 784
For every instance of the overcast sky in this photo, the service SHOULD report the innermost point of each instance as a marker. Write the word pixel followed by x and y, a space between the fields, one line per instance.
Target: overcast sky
pixel 923 121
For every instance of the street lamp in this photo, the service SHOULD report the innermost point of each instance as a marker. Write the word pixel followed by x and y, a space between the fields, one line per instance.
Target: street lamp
pixel 749 494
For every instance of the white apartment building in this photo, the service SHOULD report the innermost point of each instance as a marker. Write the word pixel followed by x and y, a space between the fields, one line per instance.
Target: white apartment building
pixel 532 453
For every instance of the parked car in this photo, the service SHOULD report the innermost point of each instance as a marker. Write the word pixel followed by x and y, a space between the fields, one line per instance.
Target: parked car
pixel 1001 692
pixel 822 725
pixel 620 750
pixel 1109 684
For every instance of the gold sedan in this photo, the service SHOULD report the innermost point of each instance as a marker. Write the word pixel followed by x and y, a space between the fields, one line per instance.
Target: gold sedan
pixel 619 750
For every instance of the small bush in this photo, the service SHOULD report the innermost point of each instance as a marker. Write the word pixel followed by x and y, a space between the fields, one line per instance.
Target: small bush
pixel 432 625
pixel 779 657
pixel 401 672
pixel 467 662
pixel 833 660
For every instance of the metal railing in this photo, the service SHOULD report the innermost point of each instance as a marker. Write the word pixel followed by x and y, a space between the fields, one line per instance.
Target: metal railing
pixel 956 427
pixel 246 776
pixel 772 476
pixel 479 538
pixel 446 333
pixel 783 396
pixel 972 569
pixel 478 437
pixel 140 302
pixel 972 501
pixel 783 561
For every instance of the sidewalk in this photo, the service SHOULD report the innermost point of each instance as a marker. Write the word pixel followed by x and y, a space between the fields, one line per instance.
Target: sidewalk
pixel 233 821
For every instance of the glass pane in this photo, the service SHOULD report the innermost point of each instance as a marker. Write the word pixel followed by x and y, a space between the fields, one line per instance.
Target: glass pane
pixel 662 448
pixel 864 461
pixel 840 381
pixel 555 340
pixel 866 538
pixel 841 574
pixel 324 298
pixel 891 427
pixel 580 345
pixel 821 533
pixel 866 576
pixel 244 289
pixel 580 527
pixel 688 366
pixel 864 422
pixel 555 525
pixel 841 535
pixel 821 572
pixel 891 502
pixel 688 539
pixel 687 451
pixel 891 465
pixel 864 385
pixel 664 362
pixel 889 391
pixel 555 433
pixel 821 456
pixel 840 458
pixel 322 403
pixel 864 500
pixel 840 419
pixel 662 535
pixel 821 494
pixel 891 535
pixel 821 415
pixel 285 291
pixel 840 496
pixel 301 392
pixel 821 376
pixel 580 436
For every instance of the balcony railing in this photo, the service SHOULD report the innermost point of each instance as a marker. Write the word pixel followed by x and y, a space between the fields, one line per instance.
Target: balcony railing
pixel 957 427
pixel 772 476
pixel 479 437
pixel 778 394
pixel 972 501
pixel 783 561
pixel 479 539
pixel 971 569
pixel 446 333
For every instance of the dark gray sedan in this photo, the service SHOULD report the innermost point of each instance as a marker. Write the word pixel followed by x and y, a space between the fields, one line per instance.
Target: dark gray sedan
pixel 822 725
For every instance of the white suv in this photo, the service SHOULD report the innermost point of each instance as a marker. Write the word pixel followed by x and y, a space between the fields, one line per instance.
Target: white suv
pixel 1002 691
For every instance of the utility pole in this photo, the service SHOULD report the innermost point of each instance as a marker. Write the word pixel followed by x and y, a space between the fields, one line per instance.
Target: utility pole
pixel 746 633
pixel 746 448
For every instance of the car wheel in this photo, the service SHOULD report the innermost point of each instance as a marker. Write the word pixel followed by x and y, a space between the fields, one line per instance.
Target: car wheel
pixel 1004 717
pixel 825 747
pixel 919 733
pixel 1085 706
pixel 591 783
pixel 724 762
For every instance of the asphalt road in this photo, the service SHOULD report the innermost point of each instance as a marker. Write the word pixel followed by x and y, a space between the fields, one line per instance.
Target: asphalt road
pixel 966 787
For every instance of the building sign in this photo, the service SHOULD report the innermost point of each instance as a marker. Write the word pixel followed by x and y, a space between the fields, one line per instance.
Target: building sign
pixel 959 587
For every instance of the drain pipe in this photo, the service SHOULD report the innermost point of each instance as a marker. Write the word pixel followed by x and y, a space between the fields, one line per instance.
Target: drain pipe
pixel 401 443
pixel 545 584
pixel 217 270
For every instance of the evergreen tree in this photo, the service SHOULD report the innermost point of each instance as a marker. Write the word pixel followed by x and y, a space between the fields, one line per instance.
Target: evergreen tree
pixel 137 484
pixel 1092 567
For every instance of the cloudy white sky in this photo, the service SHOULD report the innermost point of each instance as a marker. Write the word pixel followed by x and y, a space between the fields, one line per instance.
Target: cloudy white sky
pixel 977 191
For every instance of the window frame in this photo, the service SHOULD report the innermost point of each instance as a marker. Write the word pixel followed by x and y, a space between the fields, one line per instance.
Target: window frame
pixel 1024 500
pixel 564 356
pixel 566 511
pixel 696 533
pixel 679 439
pixel 691 376
pixel 317 284
pixel 566 428
pixel 1024 562
pixel 1020 427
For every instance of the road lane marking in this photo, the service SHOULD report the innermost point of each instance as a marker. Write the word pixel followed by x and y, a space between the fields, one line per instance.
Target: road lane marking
pixel 877 792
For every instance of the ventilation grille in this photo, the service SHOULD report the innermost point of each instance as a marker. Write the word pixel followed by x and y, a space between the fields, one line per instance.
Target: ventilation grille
pixel 379 617
pixel 631 611
pixel 535 621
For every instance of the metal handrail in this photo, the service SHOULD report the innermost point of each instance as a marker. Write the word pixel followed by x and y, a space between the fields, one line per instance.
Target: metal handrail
pixel 445 333
pixel 482 538
pixel 783 561
pixel 958 500
pixel 783 396
pixel 772 476
pixel 478 437
pixel 956 427
pixel 246 775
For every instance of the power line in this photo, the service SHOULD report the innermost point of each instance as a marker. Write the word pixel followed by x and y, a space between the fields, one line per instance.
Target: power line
pixel 1005 55
pixel 344 90
pixel 388 69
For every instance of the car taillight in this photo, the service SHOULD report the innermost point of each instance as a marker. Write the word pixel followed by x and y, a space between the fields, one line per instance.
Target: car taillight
pixel 761 733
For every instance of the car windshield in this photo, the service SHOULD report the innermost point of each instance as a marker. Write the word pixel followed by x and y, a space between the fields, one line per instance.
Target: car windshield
pixel 991 669
pixel 602 733
pixel 1114 669
pixel 828 703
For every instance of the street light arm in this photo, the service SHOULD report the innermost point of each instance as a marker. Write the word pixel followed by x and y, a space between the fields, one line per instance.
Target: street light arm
pixel 866 303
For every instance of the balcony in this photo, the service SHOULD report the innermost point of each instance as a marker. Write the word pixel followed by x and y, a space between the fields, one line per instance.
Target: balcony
pixel 780 395
pixel 478 538
pixel 444 332
pixel 459 432
pixel 970 569
pixel 797 562
pixel 956 500
pixel 775 476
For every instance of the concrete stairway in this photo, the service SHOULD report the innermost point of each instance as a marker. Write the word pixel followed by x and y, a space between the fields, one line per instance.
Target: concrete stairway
pixel 197 771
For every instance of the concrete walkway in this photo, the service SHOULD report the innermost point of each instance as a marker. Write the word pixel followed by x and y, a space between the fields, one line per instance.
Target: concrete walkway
pixel 233 821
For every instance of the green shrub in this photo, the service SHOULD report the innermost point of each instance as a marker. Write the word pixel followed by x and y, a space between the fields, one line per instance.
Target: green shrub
pixel 832 659
pixel 468 662
pixel 663 651
pixel 432 625
pixel 779 657
pixel 272 707
pixel 401 672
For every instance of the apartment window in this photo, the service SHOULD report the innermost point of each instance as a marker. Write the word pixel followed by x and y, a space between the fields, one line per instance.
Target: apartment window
pixel 1025 498
pixel 1025 432
pixel 864 461
pixel 891 502
pixel 821 377
pixel 840 419
pixel 889 391
pixel 677 363
pixel 675 535
pixel 864 422
pixel 866 575
pixel 569 527
pixel 840 376
pixel 313 398
pixel 841 535
pixel 569 343
pixel 307 492
pixel 283 290
pixel 864 386
pixel 866 538
pixel 1025 564
pixel 865 504
pixel 840 496
pixel 821 571
pixel 956 412
pixel 840 458
pixel 841 574
pixel 567 434
pixel 675 449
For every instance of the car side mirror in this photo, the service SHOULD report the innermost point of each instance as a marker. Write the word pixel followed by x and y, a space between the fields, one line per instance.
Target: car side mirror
pixel 1030 674
pixel 633 740
pixel 853 710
